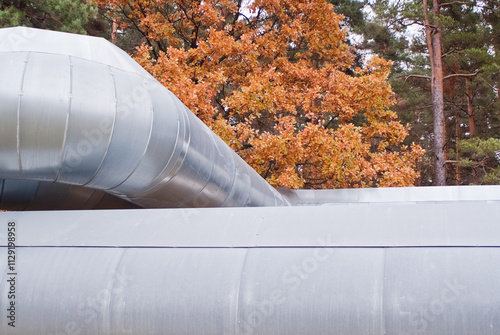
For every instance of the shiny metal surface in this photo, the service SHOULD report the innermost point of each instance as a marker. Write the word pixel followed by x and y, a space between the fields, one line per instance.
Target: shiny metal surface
pixel 77 110
pixel 393 194
pixel 441 224
pixel 80 123
pixel 350 268
pixel 31 195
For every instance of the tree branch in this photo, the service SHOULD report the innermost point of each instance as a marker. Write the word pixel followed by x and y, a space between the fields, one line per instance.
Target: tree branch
pixel 447 77
pixel 462 75
pixel 454 3
pixel 417 76
pixel 449 52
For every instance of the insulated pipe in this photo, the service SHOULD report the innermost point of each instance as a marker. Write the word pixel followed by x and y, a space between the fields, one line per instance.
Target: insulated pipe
pixel 407 268
pixel 30 195
pixel 77 110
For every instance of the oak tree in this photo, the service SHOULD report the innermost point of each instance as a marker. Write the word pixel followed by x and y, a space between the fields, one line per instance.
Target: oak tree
pixel 275 80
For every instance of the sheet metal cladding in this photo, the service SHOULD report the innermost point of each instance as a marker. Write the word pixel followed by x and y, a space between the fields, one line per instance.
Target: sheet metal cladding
pixel 83 126
pixel 351 268
pixel 78 110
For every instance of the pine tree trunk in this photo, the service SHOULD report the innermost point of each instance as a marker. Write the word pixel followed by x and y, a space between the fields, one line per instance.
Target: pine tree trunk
pixel 433 34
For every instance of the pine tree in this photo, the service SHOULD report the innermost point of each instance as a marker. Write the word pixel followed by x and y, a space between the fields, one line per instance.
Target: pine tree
pixel 62 15
pixel 464 34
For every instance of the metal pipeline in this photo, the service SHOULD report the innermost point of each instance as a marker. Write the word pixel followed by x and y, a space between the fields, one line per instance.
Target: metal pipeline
pixel 77 110
pixel 408 267
pixel 78 116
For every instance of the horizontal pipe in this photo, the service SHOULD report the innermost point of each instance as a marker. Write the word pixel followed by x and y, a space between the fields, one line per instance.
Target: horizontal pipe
pixel 410 268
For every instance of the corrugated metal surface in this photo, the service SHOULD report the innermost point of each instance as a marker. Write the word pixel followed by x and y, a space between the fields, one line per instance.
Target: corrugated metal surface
pixel 77 110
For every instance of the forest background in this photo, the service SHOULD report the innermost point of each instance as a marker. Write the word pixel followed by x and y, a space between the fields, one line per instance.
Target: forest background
pixel 358 94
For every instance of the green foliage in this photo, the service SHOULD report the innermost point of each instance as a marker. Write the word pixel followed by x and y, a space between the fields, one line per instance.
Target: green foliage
pixel 11 17
pixel 62 15
pixel 493 177
pixel 479 149
pixel 466 163
pixel 479 163
pixel 471 68
pixel 352 10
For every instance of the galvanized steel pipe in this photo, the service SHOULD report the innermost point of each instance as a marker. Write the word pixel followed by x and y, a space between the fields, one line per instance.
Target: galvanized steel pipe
pixel 354 268
pixel 77 110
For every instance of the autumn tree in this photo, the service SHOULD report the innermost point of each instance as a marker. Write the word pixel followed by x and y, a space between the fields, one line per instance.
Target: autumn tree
pixel 275 80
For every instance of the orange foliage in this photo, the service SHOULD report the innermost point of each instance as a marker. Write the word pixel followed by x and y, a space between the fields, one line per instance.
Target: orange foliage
pixel 272 80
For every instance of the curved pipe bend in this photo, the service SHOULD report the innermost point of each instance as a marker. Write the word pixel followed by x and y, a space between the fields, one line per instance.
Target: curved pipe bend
pixel 77 110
